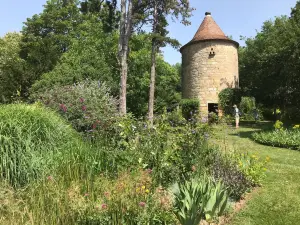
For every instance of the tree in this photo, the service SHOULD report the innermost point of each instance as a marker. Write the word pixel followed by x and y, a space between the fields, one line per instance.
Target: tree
pixel 45 37
pixel 13 76
pixel 92 56
pixel 167 79
pixel 125 33
pixel 158 12
pixel 269 64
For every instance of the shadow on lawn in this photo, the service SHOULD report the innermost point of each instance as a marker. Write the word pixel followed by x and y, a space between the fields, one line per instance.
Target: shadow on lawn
pixel 257 126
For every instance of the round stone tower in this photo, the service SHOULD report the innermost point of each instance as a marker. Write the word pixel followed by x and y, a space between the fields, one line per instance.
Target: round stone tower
pixel 209 65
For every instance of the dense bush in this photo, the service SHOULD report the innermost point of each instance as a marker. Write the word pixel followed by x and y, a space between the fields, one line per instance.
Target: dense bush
pixel 189 107
pixel 227 98
pixel 286 138
pixel 87 105
pixel 30 136
pixel 249 109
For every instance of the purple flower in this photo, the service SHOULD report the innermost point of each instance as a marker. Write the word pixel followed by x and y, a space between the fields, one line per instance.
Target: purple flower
pixel 204 119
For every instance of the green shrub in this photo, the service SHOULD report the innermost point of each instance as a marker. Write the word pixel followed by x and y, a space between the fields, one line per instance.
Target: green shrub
pixel 279 138
pixel 189 107
pixel 30 136
pixel 227 98
pixel 88 106
pixel 249 109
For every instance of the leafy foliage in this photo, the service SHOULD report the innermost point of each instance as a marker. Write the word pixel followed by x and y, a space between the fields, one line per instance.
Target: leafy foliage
pixel 229 97
pixel 269 65
pixel 189 107
pixel 87 105
pixel 196 200
pixel 280 138
pixel 13 75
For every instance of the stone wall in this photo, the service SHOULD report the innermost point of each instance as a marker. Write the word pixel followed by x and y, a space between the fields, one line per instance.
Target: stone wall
pixel 204 75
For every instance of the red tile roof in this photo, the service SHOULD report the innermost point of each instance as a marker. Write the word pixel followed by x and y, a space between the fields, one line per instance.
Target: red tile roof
pixel 209 30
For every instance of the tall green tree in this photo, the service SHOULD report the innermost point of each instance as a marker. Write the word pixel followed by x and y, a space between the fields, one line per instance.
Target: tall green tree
pixel 13 73
pixel 158 11
pixel 45 37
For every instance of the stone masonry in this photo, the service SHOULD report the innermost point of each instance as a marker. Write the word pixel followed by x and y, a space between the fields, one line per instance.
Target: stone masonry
pixel 209 64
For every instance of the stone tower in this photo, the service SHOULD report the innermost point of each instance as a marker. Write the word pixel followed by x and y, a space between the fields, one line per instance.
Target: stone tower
pixel 209 65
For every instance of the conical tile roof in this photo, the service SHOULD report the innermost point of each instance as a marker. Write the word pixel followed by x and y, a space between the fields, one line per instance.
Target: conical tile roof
pixel 209 30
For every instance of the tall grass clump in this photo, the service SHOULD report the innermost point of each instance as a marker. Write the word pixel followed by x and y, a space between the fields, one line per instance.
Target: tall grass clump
pixel 30 137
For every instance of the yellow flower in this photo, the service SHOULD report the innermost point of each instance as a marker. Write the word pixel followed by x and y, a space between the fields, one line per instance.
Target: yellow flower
pixel 267 158
pixel 137 189
pixel 147 191
pixel 143 187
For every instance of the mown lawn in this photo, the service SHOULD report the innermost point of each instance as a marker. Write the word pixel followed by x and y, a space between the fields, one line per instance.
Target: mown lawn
pixel 277 202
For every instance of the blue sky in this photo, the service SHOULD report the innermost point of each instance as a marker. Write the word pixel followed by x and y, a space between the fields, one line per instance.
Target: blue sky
pixel 235 17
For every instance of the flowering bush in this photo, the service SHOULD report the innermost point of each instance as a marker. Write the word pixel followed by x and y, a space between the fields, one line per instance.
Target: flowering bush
pixel 88 105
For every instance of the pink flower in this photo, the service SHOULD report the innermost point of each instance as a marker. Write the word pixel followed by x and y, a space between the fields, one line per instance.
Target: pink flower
pixel 86 194
pixel 83 108
pixel 63 107
pixel 94 126
pixel 106 194
pixel 104 206
pixel 50 178
pixel 81 100
pixel 142 204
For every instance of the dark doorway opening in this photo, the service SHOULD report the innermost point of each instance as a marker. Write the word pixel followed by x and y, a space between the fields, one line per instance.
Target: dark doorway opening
pixel 213 107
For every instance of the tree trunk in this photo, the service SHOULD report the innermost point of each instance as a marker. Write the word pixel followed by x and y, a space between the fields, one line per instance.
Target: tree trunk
pixel 125 32
pixel 153 71
pixel 152 85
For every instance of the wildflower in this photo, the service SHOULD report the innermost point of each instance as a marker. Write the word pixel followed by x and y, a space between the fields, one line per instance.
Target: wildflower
pixel 63 107
pixel 86 194
pixel 83 108
pixel 204 119
pixel 137 190
pixel 147 191
pixel 104 206
pixel 50 178
pixel 81 100
pixel 142 204
pixel 94 126
pixel 194 168
pixel 143 187
pixel 267 158
pixel 106 194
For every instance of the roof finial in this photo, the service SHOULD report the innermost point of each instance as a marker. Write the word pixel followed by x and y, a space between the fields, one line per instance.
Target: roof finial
pixel 207 13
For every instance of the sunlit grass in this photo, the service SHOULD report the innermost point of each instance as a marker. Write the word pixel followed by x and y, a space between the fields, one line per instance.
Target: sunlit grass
pixel 278 200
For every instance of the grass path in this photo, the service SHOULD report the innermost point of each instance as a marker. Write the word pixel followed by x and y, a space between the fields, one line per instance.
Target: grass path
pixel 277 202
